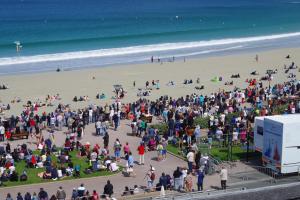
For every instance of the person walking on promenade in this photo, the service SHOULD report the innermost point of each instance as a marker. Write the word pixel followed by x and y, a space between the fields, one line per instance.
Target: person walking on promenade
pixel 108 189
pixel 191 159
pixel 8 197
pixel 141 150
pixel 116 119
pixel 224 177
pixel 200 179
pixel 177 179
pixel 60 194
pixel 95 195
pixel 43 195
pixel 106 140
pixel 189 182
pixel 150 177
pixel 117 149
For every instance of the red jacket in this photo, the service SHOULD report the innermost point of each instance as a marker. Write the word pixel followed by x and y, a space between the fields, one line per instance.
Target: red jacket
pixel 141 150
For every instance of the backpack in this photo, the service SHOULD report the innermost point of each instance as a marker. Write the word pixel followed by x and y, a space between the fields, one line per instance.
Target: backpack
pixel 152 176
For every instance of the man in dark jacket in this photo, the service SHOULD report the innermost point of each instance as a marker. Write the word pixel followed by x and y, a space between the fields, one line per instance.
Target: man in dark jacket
pixel 43 195
pixel 108 189
pixel 200 180
pixel 177 179
pixel 163 181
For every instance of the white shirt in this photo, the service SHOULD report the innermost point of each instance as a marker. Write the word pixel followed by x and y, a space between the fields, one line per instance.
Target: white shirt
pixel 219 133
pixel 98 124
pixel 222 116
pixel 190 157
pixel 114 167
pixel 235 135
pixel 224 175
pixel 2 130
pixel 93 156
pixel 11 169
pixel 59 118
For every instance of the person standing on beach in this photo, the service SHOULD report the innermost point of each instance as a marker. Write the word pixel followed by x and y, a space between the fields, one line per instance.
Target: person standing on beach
pixel 133 83
pixel 256 58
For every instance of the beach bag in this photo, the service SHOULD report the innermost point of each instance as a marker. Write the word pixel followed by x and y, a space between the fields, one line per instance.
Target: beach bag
pixel 59 173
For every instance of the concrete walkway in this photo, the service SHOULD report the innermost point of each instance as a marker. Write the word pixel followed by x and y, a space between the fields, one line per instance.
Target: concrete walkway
pixel 118 180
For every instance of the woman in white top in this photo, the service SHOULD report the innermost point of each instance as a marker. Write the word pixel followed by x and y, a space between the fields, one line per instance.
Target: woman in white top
pixel 235 135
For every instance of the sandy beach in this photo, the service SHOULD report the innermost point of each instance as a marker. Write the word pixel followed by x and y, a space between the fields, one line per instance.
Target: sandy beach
pixel 81 83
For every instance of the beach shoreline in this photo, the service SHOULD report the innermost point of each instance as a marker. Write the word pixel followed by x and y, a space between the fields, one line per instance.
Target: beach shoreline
pixel 81 82
pixel 141 54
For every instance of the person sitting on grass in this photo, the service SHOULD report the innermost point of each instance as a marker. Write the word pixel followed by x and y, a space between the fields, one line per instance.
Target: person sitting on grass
pixel 23 176
pixel 54 174
pixel 14 177
pixel 77 171
pixel 69 170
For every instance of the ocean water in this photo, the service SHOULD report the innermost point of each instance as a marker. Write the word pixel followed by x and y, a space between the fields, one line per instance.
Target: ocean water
pixel 74 34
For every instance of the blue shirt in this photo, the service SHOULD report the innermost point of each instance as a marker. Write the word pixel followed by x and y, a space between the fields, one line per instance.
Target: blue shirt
pixel 130 160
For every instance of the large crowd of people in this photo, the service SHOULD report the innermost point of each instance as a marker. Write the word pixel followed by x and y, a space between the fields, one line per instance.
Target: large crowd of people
pixel 229 116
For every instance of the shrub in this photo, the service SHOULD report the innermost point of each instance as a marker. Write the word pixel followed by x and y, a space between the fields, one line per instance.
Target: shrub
pixel 202 122
pixel 280 109
pixel 162 128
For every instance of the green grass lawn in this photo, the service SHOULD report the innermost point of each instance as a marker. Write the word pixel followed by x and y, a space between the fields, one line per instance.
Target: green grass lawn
pixel 220 153
pixel 33 177
pixel 238 153
pixel 173 149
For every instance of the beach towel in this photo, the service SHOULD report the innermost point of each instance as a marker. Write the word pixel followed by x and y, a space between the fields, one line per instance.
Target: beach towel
pixel 214 80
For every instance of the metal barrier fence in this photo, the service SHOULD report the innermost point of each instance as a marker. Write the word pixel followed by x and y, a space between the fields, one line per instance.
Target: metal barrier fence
pixel 192 195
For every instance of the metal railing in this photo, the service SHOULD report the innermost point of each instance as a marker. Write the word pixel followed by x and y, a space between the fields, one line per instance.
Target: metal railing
pixel 194 195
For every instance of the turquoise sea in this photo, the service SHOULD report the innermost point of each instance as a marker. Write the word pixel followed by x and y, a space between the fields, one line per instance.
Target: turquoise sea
pixel 86 33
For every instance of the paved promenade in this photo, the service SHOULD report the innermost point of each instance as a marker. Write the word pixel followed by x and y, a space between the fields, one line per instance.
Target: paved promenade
pixel 118 180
